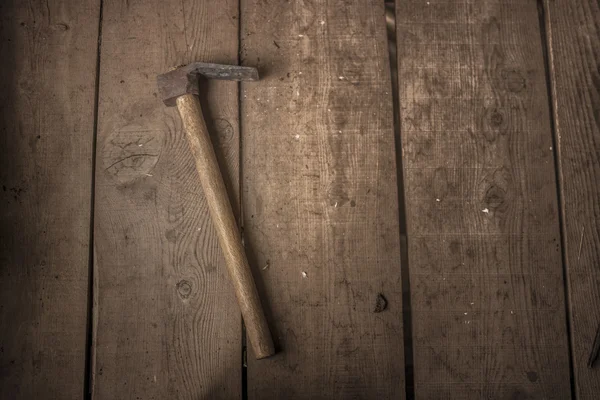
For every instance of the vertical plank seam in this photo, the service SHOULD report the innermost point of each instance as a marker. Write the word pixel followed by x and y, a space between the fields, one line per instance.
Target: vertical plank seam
pixel 244 346
pixel 547 50
pixel 409 385
pixel 91 318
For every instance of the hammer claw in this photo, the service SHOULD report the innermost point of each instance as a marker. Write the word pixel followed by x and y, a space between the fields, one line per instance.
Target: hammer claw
pixel 184 79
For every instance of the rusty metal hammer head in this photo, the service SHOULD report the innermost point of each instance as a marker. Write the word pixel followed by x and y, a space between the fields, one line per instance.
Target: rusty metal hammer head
pixel 184 79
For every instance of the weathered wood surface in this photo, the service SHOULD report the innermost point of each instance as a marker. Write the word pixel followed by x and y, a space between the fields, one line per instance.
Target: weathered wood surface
pixel 573 32
pixel 47 76
pixel 319 199
pixel 483 229
pixel 167 322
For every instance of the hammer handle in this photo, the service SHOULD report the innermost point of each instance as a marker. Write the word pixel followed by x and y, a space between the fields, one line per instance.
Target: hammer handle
pixel 225 225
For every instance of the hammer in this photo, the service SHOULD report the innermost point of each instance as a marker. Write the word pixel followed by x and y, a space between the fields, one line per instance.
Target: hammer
pixel 180 87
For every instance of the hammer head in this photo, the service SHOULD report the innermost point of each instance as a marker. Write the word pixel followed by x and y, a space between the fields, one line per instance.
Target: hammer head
pixel 184 79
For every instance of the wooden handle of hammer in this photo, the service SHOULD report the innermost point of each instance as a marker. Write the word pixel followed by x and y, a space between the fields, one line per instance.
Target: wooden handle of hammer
pixel 225 225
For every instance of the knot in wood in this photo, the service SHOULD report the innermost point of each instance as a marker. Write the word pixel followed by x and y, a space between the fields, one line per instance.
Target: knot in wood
pixel 184 289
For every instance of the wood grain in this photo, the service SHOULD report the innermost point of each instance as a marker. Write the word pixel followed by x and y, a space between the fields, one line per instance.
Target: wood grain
pixel 482 215
pixel 319 199
pixel 573 33
pixel 167 321
pixel 225 225
pixel 47 76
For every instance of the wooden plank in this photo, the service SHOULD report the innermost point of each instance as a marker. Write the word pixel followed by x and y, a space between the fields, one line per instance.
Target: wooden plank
pixel 319 198
pixel 482 215
pixel 573 33
pixel 167 320
pixel 47 76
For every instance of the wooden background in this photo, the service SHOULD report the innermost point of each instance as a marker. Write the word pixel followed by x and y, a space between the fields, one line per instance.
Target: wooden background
pixel 442 155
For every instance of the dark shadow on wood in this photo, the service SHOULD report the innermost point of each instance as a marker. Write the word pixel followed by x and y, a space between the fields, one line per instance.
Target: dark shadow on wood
pixel 12 253
pixel 390 20
pixel 88 385
pixel 544 21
